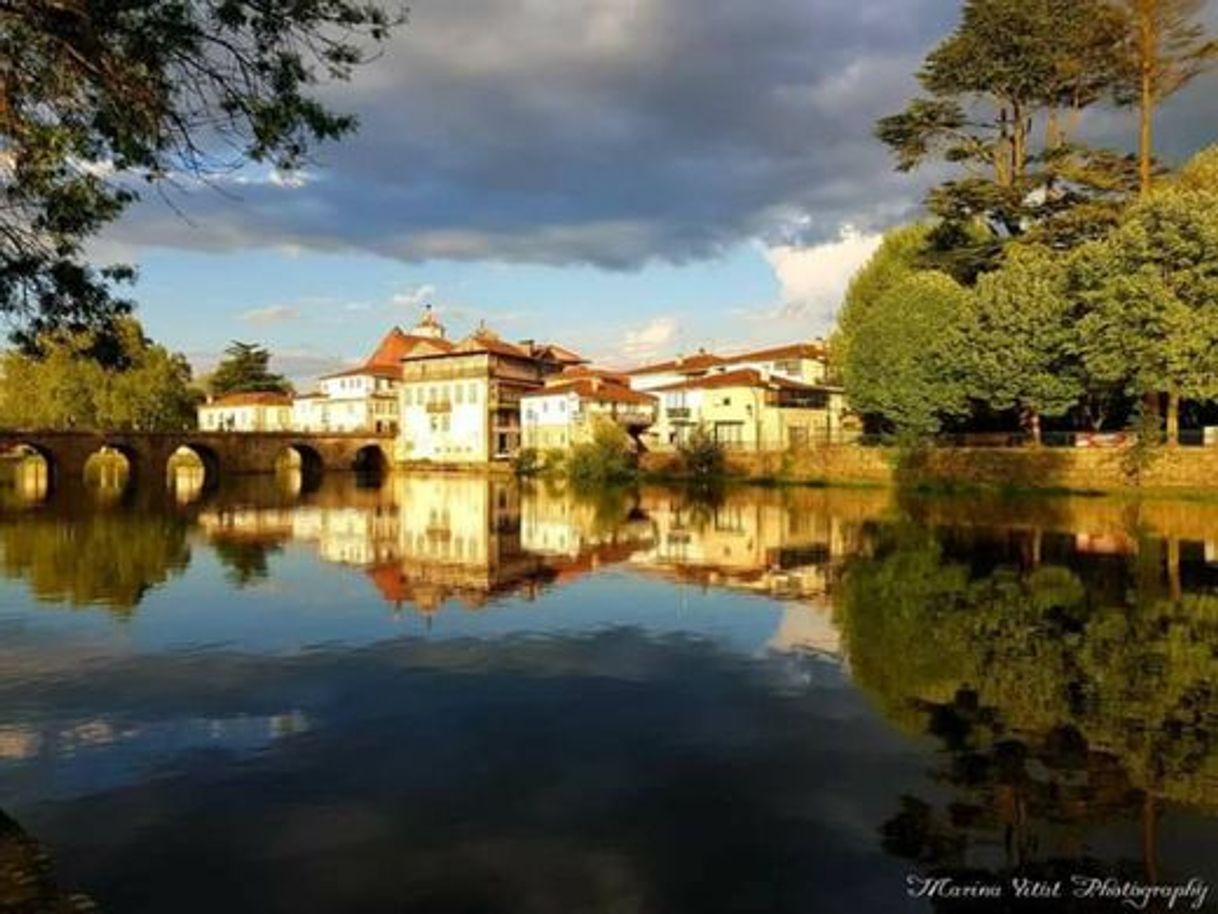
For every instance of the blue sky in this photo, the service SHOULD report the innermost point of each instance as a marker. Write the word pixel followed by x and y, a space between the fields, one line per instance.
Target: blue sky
pixel 632 178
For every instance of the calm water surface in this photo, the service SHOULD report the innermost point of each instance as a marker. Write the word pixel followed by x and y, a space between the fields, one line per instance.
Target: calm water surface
pixel 449 694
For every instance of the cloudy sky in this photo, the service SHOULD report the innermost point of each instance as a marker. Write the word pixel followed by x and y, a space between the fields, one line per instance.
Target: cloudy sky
pixel 630 177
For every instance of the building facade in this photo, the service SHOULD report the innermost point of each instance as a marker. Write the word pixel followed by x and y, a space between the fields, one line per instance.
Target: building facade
pixel 462 406
pixel 367 398
pixel 253 411
pixel 565 411
pixel 745 409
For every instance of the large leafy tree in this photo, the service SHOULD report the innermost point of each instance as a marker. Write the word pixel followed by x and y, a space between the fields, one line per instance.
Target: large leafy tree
pixel 1009 68
pixel 65 388
pixel 246 368
pixel 1023 350
pixel 100 97
pixel 905 365
pixel 1150 296
pixel 1166 47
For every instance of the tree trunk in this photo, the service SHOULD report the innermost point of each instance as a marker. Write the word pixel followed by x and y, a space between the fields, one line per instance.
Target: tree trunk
pixel 1032 423
pixel 1147 52
pixel 1173 417
pixel 1174 588
pixel 1150 838
pixel 1151 408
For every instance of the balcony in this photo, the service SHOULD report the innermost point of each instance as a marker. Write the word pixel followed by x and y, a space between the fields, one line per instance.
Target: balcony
pixel 677 412
pixel 440 406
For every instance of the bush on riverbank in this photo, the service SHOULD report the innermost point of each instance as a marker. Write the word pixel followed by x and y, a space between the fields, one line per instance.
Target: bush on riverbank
pixel 607 457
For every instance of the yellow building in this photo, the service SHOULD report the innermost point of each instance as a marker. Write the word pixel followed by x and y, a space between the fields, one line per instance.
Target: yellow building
pixel 254 411
pixel 746 409
pixel 564 412
pixel 462 406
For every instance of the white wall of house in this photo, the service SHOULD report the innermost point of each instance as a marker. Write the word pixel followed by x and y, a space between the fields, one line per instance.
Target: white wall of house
pixel 444 421
pixel 246 417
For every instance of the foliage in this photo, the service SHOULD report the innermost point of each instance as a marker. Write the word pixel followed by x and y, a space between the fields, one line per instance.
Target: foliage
pixel 109 558
pixel 1165 48
pixel 527 462
pixel 908 371
pixel 1008 64
pixel 245 368
pixel 607 457
pixel 1150 297
pixel 702 457
pixel 65 388
pixel 1022 350
pixel 110 94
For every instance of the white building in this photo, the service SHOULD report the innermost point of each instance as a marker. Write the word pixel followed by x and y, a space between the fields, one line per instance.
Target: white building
pixel 366 398
pixel 254 411
pixel 805 363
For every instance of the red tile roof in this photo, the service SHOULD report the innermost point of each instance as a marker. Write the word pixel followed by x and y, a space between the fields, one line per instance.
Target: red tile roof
pixel 699 361
pixel 253 398
pixel 595 390
pixel 789 351
pixel 386 359
pixel 739 377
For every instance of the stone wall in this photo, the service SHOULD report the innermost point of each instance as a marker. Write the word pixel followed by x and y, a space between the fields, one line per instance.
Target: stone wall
pixel 1080 469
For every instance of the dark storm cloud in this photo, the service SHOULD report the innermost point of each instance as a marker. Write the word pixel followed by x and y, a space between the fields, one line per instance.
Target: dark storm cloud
pixel 603 131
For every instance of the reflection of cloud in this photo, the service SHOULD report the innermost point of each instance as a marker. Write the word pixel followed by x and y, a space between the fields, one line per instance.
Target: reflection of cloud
pixel 272 314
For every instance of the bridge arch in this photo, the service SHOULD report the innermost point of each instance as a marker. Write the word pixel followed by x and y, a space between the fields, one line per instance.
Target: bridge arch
pixel 299 457
pixel 370 459
pixel 192 469
pixel 32 470
pixel 112 469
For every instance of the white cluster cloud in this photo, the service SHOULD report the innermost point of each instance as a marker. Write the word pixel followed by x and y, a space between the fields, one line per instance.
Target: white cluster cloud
pixel 272 314
pixel 653 338
pixel 813 278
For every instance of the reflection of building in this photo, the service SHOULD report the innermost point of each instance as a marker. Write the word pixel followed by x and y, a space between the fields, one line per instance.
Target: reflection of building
pixel 747 542
pixel 254 411
pixel 745 408
pixel 365 398
pixel 462 406
pixel 565 411
pixel 458 536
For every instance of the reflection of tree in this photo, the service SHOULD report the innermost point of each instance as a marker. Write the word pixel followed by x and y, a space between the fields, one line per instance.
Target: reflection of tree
pixel 245 559
pixel 110 558
pixel 1059 704
pixel 27 876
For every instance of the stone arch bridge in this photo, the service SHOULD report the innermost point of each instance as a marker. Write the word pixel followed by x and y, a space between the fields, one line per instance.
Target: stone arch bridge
pixel 222 453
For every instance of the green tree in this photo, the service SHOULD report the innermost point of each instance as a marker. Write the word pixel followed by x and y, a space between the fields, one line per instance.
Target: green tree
pixel 898 255
pixel 1008 65
pixel 1150 297
pixel 606 457
pixel 1166 48
pixel 904 363
pixel 244 368
pixel 99 95
pixel 1023 349
pixel 65 387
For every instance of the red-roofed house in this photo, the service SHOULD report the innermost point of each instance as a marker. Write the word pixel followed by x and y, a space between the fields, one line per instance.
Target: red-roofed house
pixel 253 411
pixel 365 398
pixel 563 413
pixel 746 408
pixel 803 362
pixel 462 406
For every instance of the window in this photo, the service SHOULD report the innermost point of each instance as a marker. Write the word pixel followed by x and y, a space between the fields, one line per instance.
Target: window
pixel 473 393
pixel 444 422
pixel 460 394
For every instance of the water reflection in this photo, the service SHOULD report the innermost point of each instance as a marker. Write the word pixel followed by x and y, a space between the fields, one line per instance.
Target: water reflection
pixel 764 700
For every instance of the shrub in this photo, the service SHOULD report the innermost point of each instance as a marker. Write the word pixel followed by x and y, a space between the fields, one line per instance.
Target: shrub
pixel 527 462
pixel 607 457
pixel 701 455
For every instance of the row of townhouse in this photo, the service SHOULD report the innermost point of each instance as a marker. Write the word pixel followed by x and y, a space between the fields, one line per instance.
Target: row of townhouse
pixel 482 399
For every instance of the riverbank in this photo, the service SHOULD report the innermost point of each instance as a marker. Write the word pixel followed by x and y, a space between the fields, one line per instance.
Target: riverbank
pixel 1182 470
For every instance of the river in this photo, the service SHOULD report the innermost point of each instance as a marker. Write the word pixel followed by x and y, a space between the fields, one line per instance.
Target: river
pixel 456 694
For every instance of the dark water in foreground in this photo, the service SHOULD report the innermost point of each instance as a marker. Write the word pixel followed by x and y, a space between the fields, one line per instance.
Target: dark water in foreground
pixel 451 695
